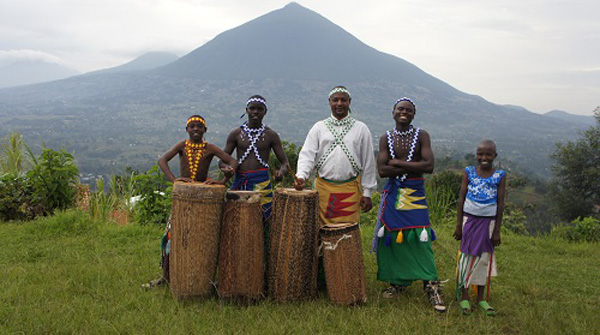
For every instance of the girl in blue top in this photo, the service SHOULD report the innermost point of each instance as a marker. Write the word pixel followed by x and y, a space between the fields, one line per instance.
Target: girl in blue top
pixel 479 217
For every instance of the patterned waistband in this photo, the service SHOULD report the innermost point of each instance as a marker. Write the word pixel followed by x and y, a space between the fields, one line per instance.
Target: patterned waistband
pixel 338 181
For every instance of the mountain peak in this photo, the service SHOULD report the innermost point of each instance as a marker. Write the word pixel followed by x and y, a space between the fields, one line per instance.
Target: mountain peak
pixel 317 49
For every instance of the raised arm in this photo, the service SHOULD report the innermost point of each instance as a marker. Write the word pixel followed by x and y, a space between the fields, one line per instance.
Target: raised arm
pixel 163 161
pixel 229 147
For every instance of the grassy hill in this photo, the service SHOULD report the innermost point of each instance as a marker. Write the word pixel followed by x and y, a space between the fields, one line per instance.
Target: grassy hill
pixel 64 274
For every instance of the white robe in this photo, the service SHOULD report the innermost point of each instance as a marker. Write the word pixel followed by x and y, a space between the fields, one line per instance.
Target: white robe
pixel 337 166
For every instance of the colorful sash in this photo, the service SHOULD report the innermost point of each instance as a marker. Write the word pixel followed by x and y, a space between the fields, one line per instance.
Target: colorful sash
pixel 258 181
pixel 404 205
pixel 339 201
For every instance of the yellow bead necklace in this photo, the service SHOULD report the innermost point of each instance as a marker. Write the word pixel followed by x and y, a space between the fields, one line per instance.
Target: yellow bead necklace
pixel 194 152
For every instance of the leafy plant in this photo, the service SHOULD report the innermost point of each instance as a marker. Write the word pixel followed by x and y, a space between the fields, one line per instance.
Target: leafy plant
pixel 53 178
pixel 514 219
pixel 154 192
pixel 16 198
pixel 582 229
pixel 13 159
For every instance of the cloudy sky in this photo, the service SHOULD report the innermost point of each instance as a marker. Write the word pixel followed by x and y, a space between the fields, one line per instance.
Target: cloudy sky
pixel 539 54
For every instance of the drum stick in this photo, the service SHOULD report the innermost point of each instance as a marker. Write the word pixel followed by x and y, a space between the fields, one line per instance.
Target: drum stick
pixel 291 171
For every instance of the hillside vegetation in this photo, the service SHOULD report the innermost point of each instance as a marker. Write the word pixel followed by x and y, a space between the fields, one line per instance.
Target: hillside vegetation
pixel 70 274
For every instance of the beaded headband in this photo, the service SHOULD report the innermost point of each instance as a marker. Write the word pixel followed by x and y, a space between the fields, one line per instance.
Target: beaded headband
pixel 255 99
pixel 195 119
pixel 406 99
pixel 339 90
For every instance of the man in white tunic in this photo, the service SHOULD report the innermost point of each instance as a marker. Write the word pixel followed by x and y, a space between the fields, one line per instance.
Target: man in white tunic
pixel 340 150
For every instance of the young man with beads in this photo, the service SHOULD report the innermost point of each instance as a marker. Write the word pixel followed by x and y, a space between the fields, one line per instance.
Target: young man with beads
pixel 253 142
pixel 403 234
pixel 340 150
pixel 195 155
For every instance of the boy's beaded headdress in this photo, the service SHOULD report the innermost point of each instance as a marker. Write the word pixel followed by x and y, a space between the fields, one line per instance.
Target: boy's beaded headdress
pixel 256 99
pixel 195 119
pixel 339 90
pixel 406 99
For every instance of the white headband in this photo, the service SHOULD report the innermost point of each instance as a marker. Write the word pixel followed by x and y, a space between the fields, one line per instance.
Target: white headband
pixel 255 99
pixel 339 90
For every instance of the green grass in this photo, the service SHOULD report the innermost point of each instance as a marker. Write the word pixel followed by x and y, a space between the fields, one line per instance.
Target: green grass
pixel 67 275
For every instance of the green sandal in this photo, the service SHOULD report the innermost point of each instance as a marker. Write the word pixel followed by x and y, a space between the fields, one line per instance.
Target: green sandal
pixel 465 307
pixel 484 306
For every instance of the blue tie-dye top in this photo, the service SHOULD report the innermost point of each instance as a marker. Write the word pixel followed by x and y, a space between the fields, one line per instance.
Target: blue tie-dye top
pixel 483 190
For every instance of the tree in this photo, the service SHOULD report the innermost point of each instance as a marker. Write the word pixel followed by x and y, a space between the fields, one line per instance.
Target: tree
pixel 576 180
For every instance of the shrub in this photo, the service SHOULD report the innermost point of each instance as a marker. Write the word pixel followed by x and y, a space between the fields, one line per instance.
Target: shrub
pixel 154 192
pixel 53 179
pixel 514 219
pixel 582 229
pixel 16 198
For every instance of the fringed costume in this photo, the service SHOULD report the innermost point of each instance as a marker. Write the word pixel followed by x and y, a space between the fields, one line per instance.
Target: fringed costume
pixel 403 234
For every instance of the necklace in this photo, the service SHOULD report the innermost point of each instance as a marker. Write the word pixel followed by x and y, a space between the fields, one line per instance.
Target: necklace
pixel 412 147
pixel 194 152
pixel 402 138
pixel 253 135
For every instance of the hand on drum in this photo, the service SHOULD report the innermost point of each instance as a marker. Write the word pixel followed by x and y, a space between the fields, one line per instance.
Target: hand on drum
pixel 184 179
pixel 215 182
pixel 280 174
pixel 299 184
pixel 366 204
pixel 227 171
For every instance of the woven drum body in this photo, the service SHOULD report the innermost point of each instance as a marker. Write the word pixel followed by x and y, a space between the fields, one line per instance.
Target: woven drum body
pixel 195 226
pixel 293 250
pixel 343 264
pixel 241 251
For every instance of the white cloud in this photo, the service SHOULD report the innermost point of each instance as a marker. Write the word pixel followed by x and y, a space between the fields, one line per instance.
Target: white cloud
pixel 11 56
pixel 507 52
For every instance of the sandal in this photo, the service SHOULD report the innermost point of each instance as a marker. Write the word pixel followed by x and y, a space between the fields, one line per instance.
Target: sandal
pixel 393 290
pixel 154 283
pixel 436 298
pixel 465 307
pixel 485 307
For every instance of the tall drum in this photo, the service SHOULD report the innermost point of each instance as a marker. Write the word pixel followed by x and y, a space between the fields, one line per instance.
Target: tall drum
pixel 343 264
pixel 195 226
pixel 241 255
pixel 293 250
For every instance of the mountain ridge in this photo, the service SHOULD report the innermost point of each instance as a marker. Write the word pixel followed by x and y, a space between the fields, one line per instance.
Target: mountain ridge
pixel 129 118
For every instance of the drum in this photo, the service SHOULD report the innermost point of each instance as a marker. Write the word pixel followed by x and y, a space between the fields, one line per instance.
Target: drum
pixel 195 226
pixel 293 249
pixel 343 264
pixel 241 251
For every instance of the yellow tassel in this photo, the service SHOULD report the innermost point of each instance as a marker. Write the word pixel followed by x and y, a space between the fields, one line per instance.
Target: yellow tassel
pixel 400 237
